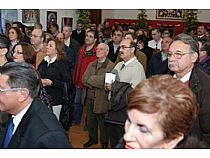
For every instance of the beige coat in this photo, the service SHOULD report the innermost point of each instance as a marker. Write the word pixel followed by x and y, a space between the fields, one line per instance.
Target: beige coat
pixel 40 55
pixel 93 79
pixel 141 57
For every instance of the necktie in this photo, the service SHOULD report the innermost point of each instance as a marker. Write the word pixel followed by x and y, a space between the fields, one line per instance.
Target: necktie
pixel 9 133
pixel 187 83
pixel 123 65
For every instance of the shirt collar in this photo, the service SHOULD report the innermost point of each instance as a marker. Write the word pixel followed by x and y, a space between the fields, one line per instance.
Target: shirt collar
pixel 185 78
pixel 49 60
pixel 17 118
pixel 67 42
pixel 163 56
pixel 129 61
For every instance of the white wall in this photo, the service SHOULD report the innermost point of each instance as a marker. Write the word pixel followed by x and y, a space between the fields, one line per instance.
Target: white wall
pixel 203 16
pixel 60 13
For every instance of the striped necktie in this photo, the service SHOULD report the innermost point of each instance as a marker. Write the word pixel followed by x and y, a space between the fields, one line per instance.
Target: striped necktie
pixel 9 133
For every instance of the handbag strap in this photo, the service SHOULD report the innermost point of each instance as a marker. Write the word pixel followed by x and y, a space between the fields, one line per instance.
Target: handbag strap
pixel 65 91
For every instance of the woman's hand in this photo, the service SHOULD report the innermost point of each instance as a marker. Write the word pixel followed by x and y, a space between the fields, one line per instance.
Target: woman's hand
pixel 46 82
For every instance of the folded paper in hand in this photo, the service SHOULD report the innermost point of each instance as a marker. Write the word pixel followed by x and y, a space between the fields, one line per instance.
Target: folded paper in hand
pixel 110 78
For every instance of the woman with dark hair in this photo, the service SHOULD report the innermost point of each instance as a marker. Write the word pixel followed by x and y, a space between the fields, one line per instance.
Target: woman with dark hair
pixel 142 45
pixel 4 47
pixel 15 36
pixel 161 110
pixel 24 52
pixel 55 74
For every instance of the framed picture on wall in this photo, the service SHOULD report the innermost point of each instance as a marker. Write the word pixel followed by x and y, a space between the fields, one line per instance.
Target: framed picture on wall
pixel 30 16
pixel 51 19
pixel 177 14
pixel 66 21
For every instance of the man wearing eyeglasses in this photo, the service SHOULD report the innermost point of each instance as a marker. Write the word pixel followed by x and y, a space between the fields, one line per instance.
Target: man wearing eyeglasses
pixel 130 73
pixel 183 60
pixel 31 123
pixel 37 41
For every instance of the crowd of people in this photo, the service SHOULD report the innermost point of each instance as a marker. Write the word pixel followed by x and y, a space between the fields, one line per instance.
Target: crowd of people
pixel 158 96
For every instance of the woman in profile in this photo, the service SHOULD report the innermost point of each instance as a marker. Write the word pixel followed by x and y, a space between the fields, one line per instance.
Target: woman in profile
pixel 55 74
pixel 161 110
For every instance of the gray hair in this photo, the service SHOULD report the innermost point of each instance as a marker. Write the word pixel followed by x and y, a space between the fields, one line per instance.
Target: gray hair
pixel 187 39
pixel 22 75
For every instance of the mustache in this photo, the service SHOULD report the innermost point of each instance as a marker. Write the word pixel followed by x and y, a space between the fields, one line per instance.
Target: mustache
pixel 172 64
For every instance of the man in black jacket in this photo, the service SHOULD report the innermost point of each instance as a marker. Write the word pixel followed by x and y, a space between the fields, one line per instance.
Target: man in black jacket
pixel 182 59
pixel 32 124
pixel 117 36
pixel 79 34
pixel 70 42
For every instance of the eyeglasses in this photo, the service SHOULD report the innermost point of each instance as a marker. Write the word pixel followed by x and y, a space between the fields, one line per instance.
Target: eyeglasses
pixel 123 47
pixel 17 52
pixel 9 89
pixel 177 55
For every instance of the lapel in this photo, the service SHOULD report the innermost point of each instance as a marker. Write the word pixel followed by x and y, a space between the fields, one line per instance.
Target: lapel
pixel 194 81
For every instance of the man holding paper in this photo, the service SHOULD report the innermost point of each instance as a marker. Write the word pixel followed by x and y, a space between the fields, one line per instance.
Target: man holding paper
pixel 97 102
pixel 130 73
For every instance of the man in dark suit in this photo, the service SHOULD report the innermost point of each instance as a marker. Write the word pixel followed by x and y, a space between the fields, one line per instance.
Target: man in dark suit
pixel 158 63
pixel 79 34
pixel 201 29
pixel 31 123
pixel 117 36
pixel 70 42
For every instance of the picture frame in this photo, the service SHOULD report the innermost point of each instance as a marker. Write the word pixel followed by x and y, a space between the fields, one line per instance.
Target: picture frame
pixel 30 15
pixel 51 19
pixel 66 21
pixel 175 14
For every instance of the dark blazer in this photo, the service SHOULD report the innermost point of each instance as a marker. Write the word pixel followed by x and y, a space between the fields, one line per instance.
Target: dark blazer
pixel 199 84
pixel 202 39
pixel 59 73
pixel 112 56
pixel 76 48
pixel 117 108
pixel 157 66
pixel 39 128
pixel 79 37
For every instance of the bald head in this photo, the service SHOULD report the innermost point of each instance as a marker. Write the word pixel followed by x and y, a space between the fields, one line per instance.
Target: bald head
pixel 102 51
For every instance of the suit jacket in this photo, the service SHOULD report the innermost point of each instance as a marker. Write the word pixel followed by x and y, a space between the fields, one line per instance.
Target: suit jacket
pixel 112 56
pixel 79 37
pixel 199 84
pixel 203 39
pixel 76 48
pixel 39 128
pixel 157 66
